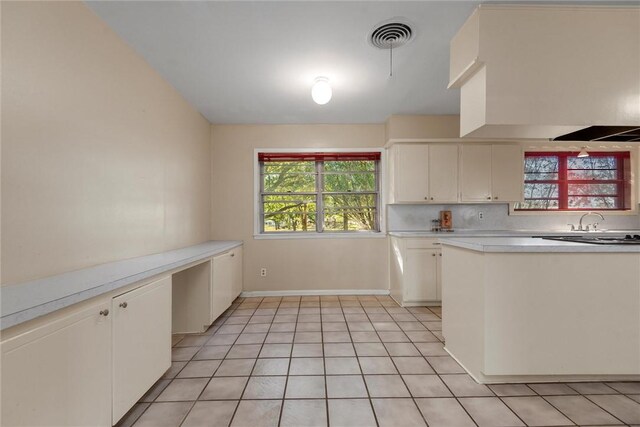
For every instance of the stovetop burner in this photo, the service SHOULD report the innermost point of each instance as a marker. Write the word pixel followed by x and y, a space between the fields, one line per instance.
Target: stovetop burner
pixel 599 240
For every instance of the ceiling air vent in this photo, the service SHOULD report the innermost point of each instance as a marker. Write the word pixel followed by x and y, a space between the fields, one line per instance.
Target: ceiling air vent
pixel 391 35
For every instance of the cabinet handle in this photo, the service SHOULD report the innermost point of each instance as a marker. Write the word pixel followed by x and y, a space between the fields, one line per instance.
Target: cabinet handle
pixel 489 198
pixel 440 254
pixel 104 312
pixel 432 198
pixel 124 304
pixel 433 254
pixel 426 198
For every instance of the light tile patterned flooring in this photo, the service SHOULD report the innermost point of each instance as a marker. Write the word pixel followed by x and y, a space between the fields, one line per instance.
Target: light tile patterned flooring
pixel 352 361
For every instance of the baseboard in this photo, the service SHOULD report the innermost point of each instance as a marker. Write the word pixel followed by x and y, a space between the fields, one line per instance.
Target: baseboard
pixel 315 292
pixel 522 379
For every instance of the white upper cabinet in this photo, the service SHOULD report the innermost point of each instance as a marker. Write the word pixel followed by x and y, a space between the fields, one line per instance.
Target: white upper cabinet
pixel 530 71
pixel 491 173
pixel 411 173
pixel 443 173
pixel 476 173
pixel 507 173
pixel 422 173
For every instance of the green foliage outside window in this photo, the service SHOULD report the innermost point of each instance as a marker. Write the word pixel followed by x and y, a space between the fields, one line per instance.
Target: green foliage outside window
pixel 315 196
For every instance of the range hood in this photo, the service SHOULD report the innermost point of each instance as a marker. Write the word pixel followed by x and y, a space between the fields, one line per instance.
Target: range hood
pixel 603 133
pixel 548 72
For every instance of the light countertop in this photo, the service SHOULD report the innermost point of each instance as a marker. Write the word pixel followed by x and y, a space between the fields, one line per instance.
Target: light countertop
pixel 532 244
pixel 506 233
pixel 21 302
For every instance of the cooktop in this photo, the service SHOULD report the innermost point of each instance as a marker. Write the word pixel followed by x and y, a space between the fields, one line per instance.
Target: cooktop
pixel 599 240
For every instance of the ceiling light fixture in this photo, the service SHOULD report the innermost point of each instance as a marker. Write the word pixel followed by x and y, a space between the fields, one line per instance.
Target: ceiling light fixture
pixel 321 90
pixel 583 153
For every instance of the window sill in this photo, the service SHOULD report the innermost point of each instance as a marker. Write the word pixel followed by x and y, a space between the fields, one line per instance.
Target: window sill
pixel 368 235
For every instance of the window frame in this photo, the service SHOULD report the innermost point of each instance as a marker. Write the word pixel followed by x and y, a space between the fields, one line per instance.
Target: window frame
pixel 380 199
pixel 563 183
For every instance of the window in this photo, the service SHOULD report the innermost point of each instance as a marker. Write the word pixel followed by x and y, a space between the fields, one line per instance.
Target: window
pixel 319 192
pixel 562 181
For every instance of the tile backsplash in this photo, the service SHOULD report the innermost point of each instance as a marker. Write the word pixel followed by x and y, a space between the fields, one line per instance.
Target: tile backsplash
pixel 496 217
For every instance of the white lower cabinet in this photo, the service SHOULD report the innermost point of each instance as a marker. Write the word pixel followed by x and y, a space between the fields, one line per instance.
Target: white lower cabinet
pixel 58 373
pixel 87 365
pixel 415 271
pixel 141 342
pixel 226 281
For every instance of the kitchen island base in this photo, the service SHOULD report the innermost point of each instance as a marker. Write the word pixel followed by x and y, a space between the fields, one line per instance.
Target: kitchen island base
pixel 542 316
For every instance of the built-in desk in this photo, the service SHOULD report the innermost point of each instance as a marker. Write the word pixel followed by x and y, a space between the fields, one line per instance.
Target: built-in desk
pixel 81 348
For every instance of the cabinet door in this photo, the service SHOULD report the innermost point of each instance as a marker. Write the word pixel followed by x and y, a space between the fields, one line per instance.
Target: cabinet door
pixel 141 342
pixel 60 373
pixel 420 281
pixel 236 272
pixel 507 181
pixel 412 173
pixel 475 173
pixel 221 284
pixel 439 276
pixel 443 173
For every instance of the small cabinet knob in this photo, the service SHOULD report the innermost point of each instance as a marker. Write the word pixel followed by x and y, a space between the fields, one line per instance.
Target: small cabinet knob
pixel 233 254
pixel 489 198
pixel 440 254
pixel 426 198
pixel 432 198
pixel 433 254
pixel 496 198
pixel 104 312
pixel 124 304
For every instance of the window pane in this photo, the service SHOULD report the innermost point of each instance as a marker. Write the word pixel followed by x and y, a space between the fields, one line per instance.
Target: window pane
pixel 350 166
pixel 541 176
pixel 289 213
pixel 349 200
pixel 592 162
pixel 343 182
pixel 594 203
pixel 540 164
pixel 278 167
pixel 349 219
pixel 540 191
pixel 289 183
pixel 289 177
pixel 594 174
pixel 593 189
pixel 349 212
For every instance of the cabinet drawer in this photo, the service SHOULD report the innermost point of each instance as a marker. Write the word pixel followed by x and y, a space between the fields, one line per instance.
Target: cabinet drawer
pixel 422 243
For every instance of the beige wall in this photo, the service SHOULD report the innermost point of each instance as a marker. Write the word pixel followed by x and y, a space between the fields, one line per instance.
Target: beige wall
pixel 101 158
pixel 293 264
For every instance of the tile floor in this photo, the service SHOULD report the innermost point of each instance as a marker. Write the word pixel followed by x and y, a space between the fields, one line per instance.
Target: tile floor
pixel 352 361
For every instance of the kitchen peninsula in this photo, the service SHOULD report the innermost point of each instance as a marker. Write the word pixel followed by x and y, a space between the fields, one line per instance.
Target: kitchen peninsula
pixel 530 309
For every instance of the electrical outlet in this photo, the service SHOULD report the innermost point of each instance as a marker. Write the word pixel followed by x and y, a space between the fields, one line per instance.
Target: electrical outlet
pixel 263 272
pixel 481 216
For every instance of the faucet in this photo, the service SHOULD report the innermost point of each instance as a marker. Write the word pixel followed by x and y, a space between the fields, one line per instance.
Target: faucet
pixel 595 224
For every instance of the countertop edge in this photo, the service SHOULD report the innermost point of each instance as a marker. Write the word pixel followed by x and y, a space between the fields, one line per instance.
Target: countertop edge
pixel 519 245
pixel 115 282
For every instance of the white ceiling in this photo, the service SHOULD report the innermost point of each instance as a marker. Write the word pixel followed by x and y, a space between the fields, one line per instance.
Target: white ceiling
pixel 254 62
